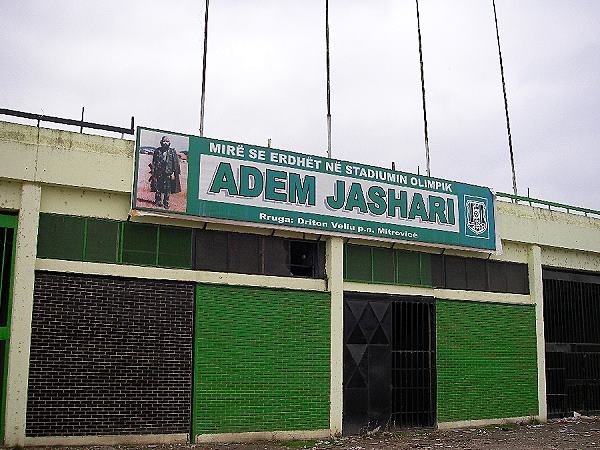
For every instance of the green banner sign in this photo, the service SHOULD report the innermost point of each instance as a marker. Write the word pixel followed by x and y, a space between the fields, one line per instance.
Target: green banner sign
pixel 228 181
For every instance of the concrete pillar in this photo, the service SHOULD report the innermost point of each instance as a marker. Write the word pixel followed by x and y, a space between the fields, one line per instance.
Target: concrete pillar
pixel 335 284
pixel 536 291
pixel 22 308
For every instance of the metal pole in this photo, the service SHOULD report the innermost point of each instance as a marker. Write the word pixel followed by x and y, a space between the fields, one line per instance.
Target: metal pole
pixel 203 96
pixel 423 92
pixel 328 80
pixel 81 127
pixel 510 147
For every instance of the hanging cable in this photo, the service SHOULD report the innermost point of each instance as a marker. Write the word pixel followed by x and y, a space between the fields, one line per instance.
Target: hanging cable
pixel 203 96
pixel 328 80
pixel 510 147
pixel 423 92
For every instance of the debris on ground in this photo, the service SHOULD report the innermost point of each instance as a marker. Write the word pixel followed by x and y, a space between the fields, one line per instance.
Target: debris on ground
pixel 577 432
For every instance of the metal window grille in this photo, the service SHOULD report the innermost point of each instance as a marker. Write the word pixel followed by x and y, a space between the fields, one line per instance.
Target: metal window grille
pixel 389 362
pixel 571 317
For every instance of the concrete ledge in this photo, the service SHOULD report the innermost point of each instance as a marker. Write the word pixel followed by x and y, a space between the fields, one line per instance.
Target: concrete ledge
pixel 108 439
pixel 484 422
pixel 262 436
pixel 392 289
pixel 197 276
pixel 445 294
pixel 479 296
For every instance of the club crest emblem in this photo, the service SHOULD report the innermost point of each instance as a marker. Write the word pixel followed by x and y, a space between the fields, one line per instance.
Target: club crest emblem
pixel 476 215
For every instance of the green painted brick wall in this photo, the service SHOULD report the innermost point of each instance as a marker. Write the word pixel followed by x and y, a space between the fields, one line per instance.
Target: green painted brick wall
pixel 261 360
pixel 486 361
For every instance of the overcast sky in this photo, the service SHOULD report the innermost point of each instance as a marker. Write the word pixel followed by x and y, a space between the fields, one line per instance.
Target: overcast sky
pixel 266 79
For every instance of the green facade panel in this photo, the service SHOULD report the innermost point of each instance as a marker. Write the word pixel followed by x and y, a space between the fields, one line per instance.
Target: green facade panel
pixel 61 237
pixel 117 242
pixel 383 265
pixel 174 249
pixel 102 241
pixel 386 266
pixel 139 243
pixel 486 361
pixel 261 360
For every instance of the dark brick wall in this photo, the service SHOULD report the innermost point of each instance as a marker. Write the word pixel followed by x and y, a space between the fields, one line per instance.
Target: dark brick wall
pixel 110 356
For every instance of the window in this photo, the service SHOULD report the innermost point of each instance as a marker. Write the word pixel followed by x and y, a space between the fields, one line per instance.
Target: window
pixel 358 263
pixel 386 265
pixel 156 245
pixel 175 247
pixel 211 251
pixel 303 258
pixel 102 241
pixel 61 237
pixel 243 251
pixel 110 241
pixel 221 251
pixel 139 244
pixel 409 267
pixel 477 274
pixel 383 265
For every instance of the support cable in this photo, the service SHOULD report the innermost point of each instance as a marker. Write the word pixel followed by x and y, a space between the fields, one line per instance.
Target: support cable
pixel 328 80
pixel 203 96
pixel 510 147
pixel 423 92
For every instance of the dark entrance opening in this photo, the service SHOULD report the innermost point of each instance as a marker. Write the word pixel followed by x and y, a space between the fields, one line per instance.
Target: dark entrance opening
pixel 389 362
pixel 572 335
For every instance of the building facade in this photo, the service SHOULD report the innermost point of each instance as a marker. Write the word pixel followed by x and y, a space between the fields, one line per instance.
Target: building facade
pixel 117 328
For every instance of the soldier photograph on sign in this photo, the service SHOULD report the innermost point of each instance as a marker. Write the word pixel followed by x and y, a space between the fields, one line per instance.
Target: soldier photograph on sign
pixel 162 171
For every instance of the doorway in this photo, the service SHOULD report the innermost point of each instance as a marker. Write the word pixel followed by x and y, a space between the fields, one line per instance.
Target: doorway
pixel 389 362
pixel 571 317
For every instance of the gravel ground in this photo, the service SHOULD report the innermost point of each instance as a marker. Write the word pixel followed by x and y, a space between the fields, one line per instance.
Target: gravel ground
pixel 581 433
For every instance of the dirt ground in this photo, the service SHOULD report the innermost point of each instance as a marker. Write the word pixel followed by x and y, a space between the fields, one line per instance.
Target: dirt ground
pixel 582 433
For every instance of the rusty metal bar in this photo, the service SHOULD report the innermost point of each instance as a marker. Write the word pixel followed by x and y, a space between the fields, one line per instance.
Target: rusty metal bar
pixel 64 121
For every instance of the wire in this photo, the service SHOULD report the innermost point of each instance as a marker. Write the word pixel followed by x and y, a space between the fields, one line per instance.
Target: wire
pixel 510 147
pixel 328 80
pixel 423 92
pixel 203 96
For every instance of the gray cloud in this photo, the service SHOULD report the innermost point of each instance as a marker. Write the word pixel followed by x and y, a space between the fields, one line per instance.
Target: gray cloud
pixel 266 79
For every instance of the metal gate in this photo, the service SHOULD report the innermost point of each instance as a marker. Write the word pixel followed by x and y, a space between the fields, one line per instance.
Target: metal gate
pixel 572 335
pixel 389 362
pixel 8 225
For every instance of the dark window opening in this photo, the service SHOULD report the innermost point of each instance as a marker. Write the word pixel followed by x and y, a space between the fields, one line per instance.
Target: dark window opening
pixel 456 272
pixel 276 257
pixel 477 274
pixel 302 258
pixel 6 253
pixel 221 251
pixel 211 251
pixel 244 253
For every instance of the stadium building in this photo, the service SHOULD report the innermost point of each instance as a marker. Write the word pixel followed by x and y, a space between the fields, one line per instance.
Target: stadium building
pixel 259 297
